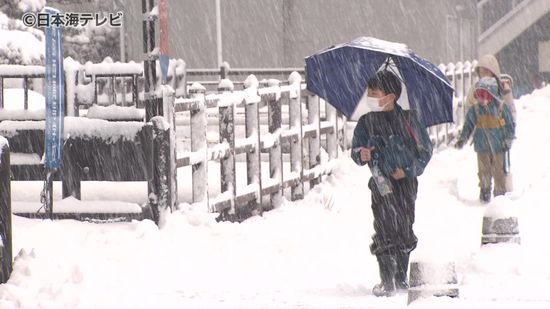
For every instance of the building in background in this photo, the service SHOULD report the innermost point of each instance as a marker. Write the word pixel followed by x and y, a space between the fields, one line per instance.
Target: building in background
pixel 280 33
pixel 518 33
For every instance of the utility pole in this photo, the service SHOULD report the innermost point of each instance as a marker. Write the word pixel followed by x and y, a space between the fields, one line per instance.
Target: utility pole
pixel 219 33
pixel 153 104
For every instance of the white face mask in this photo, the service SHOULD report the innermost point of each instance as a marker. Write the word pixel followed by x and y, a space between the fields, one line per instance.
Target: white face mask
pixel 373 105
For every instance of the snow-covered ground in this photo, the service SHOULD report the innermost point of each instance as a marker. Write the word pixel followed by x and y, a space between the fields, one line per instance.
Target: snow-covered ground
pixel 311 253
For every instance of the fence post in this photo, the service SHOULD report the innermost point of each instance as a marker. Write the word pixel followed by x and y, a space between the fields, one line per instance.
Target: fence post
pixel 314 142
pixel 153 105
pixel 168 98
pixel 71 174
pixel 25 93
pixel 274 124
pixel 344 131
pixel 296 146
pixel 227 163
pixel 198 144
pixel 164 185
pixel 2 92
pixel 252 128
pixel 332 137
pixel 5 212
pixel 180 79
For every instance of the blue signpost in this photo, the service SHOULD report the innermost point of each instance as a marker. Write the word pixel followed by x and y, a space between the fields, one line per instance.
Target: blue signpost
pixel 55 107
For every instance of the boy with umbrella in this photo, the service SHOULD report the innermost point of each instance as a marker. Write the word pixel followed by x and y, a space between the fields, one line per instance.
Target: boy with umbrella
pixel 397 148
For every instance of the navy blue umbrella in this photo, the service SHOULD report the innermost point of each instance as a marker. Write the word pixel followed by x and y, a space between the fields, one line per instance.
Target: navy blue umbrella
pixel 339 74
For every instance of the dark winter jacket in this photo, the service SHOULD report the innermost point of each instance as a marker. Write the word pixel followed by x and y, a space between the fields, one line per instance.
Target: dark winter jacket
pixel 400 141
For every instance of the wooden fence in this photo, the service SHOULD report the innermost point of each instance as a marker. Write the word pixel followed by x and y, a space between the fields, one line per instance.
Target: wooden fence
pixel 313 127
pixel 301 141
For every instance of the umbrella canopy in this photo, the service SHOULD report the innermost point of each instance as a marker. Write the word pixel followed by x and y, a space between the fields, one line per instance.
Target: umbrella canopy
pixel 339 74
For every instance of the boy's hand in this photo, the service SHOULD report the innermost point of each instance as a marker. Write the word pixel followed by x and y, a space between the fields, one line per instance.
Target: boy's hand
pixel 506 85
pixel 366 153
pixel 507 144
pixel 399 173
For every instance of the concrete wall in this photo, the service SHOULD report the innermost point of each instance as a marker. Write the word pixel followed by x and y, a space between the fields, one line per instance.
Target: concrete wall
pixel 280 33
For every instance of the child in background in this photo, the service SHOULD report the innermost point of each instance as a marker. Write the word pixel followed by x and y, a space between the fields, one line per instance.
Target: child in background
pixel 493 127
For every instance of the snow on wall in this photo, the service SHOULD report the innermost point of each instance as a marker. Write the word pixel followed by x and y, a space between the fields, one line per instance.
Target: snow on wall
pixel 108 67
pixel 9 128
pixel 80 127
pixel 16 69
pixel 114 112
pixel 22 114
pixel 107 130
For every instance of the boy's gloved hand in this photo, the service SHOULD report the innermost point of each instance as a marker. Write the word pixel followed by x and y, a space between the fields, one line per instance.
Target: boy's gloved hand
pixel 508 144
pixel 459 144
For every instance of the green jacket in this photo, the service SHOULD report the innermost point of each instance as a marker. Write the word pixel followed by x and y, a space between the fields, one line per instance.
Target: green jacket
pixel 492 126
pixel 399 138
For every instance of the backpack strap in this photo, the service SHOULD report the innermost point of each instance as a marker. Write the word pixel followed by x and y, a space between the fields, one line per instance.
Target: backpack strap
pixel 407 121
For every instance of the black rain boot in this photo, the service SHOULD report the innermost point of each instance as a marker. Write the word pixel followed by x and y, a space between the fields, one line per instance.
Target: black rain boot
pixel 485 195
pixel 388 267
pixel 402 261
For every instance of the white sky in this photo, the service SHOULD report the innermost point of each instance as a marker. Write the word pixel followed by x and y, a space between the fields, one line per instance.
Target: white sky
pixel 307 254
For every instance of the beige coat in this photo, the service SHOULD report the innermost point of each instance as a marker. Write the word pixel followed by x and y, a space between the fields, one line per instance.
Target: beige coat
pixel 490 62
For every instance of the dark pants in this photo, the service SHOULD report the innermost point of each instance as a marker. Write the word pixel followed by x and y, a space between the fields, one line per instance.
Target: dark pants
pixel 394 218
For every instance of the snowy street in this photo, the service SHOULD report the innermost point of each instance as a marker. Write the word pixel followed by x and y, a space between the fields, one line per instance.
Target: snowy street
pixel 307 254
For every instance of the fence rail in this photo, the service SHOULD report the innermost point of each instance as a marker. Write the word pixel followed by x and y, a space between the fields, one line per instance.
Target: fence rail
pixel 303 137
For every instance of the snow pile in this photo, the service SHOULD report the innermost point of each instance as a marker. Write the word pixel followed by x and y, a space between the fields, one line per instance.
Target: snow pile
pixel 312 253
pixel 18 43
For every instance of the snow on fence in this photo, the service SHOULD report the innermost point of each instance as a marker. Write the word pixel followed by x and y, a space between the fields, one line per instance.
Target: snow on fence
pixel 303 136
pixel 105 83
pixel 309 123
pixel 5 212
pixel 461 76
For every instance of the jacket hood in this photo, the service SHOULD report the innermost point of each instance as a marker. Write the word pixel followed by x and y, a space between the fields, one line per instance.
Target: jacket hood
pixel 491 85
pixel 489 62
